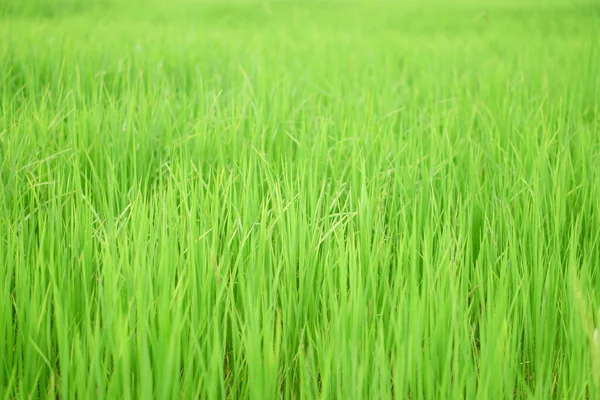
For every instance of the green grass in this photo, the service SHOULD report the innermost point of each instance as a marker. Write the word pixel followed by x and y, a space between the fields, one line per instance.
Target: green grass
pixel 338 200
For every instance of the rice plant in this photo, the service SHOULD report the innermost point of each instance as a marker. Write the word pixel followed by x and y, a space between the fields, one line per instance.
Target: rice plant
pixel 286 199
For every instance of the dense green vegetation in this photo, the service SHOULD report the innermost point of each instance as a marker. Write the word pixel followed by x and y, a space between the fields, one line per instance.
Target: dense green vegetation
pixel 340 200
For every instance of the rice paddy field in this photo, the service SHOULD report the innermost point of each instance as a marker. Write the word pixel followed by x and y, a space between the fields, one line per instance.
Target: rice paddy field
pixel 299 199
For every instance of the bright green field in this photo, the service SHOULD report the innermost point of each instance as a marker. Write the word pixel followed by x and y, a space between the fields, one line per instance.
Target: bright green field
pixel 338 200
